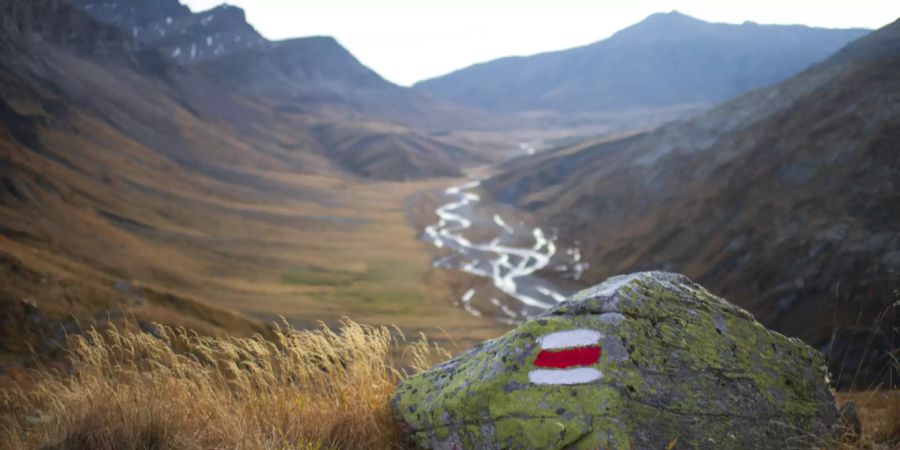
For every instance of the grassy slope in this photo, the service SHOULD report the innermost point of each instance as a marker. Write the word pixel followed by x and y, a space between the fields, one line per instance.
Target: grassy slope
pixel 135 390
pixel 95 220
pixel 353 255
pixel 304 389
pixel 187 205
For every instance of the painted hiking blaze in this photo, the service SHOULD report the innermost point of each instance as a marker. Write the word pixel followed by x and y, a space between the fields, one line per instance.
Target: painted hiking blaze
pixel 564 358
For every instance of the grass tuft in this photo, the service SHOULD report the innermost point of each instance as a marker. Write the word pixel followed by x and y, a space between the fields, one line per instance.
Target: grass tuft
pixel 171 389
pixel 879 416
pixel 127 389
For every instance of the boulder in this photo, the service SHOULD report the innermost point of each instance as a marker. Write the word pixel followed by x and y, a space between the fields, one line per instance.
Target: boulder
pixel 641 361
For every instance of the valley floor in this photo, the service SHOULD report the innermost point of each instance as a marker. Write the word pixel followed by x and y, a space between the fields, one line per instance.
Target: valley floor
pixel 368 264
pixel 229 268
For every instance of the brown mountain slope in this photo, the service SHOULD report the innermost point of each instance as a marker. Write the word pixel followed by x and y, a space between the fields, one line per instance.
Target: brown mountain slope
pixel 784 200
pixel 128 182
pixel 260 115
pixel 310 74
pixel 384 153
pixel 317 75
pixel 66 174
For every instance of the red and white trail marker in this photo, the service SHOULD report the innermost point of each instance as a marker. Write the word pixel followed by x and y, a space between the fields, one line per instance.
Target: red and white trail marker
pixel 565 357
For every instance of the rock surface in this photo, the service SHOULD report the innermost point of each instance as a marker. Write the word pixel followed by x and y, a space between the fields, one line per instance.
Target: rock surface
pixel 636 362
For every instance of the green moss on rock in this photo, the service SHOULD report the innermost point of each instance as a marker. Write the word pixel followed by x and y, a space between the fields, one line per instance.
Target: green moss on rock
pixel 676 362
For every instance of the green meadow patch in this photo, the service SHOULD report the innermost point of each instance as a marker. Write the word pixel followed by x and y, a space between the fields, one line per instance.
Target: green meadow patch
pixel 319 276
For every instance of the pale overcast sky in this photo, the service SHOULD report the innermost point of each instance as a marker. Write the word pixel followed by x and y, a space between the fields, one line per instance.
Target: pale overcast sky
pixel 409 40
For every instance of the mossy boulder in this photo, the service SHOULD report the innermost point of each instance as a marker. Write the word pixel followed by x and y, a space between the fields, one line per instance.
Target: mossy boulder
pixel 640 361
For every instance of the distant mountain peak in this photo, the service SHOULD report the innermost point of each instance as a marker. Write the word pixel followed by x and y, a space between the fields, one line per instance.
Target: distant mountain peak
pixel 660 26
pixel 668 59
pixel 226 10
pixel 671 15
pixel 133 13
pixel 172 28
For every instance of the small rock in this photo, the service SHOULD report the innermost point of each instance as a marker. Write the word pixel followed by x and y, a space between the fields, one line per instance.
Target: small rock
pixel 122 286
pixel 636 362
pixel 28 306
pixel 851 426
pixel 32 315
pixel 38 417
pixel 150 328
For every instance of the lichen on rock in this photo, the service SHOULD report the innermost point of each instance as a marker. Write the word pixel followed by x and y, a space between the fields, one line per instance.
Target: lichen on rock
pixel 636 362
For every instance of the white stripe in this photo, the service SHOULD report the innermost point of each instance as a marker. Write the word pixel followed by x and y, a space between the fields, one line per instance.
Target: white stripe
pixel 570 338
pixel 567 376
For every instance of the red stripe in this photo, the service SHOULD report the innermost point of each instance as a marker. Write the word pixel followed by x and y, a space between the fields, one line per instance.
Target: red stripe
pixel 581 356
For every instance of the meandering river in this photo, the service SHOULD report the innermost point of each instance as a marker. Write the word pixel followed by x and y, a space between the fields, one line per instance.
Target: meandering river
pixel 509 264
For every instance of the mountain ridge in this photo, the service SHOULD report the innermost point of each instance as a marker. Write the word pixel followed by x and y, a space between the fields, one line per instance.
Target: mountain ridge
pixel 779 199
pixel 175 30
pixel 130 184
pixel 666 59
pixel 311 74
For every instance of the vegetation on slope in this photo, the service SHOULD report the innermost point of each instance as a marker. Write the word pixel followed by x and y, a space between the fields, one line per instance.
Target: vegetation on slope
pixel 126 181
pixel 174 389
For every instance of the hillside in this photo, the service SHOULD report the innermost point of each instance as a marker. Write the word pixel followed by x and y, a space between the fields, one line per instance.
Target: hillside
pixel 173 29
pixel 78 177
pixel 128 184
pixel 257 115
pixel 783 200
pixel 310 75
pixel 665 60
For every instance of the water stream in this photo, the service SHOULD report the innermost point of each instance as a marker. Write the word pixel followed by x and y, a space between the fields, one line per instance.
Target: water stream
pixel 509 264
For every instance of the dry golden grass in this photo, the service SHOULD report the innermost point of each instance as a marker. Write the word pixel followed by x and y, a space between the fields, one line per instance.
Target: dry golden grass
pixel 879 415
pixel 174 389
pixel 133 390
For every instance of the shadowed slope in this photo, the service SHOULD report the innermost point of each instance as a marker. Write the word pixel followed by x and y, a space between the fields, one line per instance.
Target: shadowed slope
pixel 311 74
pixel 782 200
pixel 128 182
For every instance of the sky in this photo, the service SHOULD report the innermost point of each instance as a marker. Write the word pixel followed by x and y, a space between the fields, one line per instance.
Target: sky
pixel 410 40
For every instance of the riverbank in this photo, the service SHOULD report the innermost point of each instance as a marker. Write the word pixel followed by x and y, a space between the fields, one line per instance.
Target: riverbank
pixel 521 262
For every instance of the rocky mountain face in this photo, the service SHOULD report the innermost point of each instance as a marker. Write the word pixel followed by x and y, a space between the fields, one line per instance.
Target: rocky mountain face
pixel 55 22
pixel 784 200
pixel 665 60
pixel 318 59
pixel 173 29
pixel 70 64
pixel 134 13
pixel 310 75
pixel 315 74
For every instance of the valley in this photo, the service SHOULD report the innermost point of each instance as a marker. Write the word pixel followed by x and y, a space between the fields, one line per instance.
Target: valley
pixel 773 198
pixel 511 268
pixel 179 167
